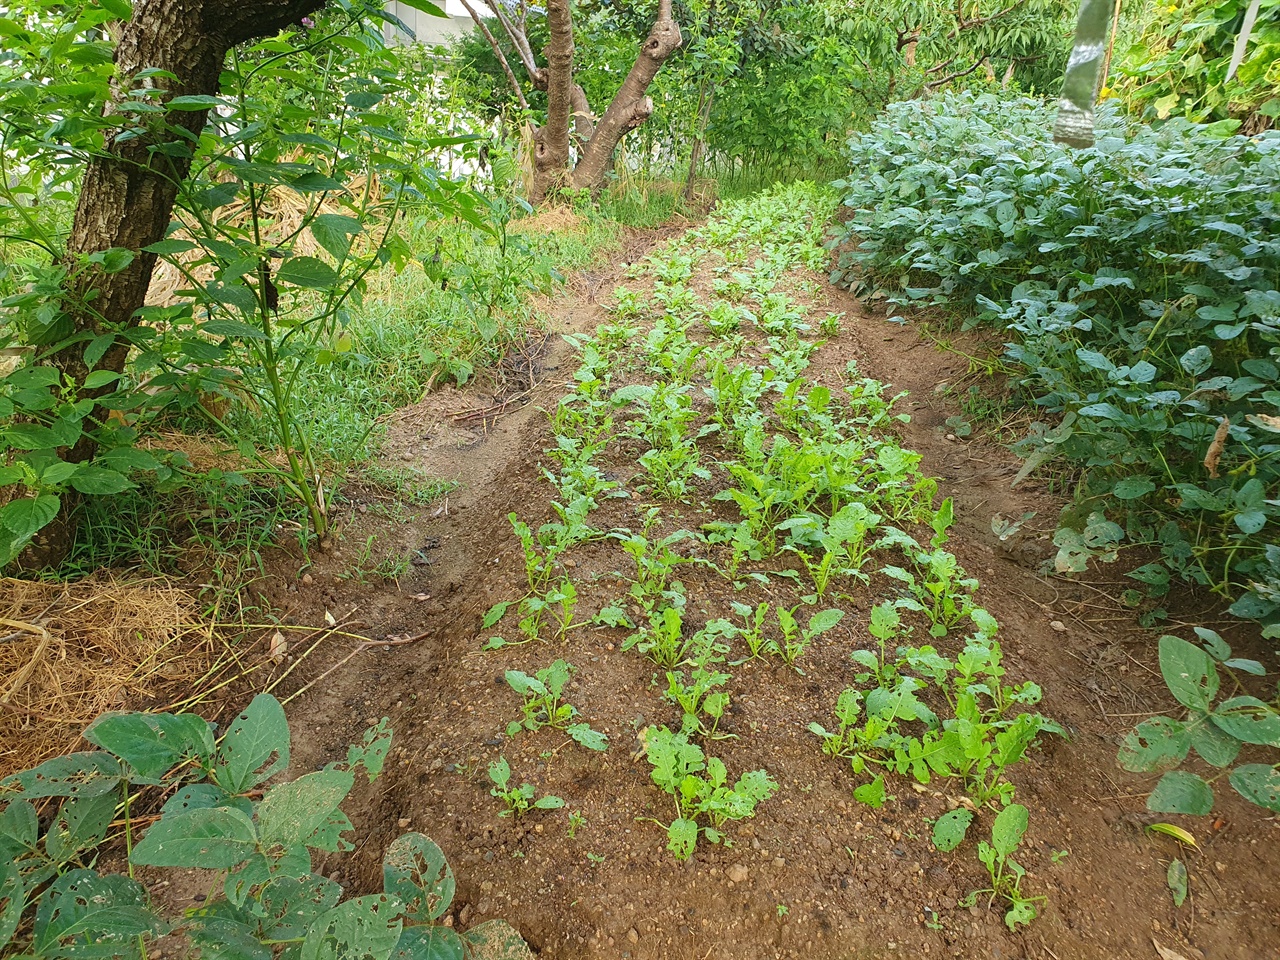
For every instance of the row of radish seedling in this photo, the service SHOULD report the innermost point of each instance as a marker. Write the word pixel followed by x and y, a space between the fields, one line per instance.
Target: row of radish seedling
pixel 714 406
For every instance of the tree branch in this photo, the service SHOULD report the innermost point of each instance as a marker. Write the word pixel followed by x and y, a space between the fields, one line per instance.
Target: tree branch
pixel 497 52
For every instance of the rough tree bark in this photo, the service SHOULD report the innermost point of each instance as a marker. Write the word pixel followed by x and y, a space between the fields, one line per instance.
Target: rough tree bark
pixel 566 100
pixel 129 190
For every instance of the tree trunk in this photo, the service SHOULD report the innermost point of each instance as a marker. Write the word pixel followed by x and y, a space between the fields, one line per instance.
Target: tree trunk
pixel 551 140
pixel 129 190
pixel 630 106
pixel 596 140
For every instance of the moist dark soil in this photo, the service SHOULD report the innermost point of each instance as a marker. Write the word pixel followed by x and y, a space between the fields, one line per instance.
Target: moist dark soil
pixel 815 874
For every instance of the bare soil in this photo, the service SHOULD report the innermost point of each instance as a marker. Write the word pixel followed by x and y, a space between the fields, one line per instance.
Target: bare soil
pixel 815 874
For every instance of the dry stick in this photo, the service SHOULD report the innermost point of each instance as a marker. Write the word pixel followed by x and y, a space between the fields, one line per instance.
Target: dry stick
pixel 45 639
pixel 502 58
pixel 1111 44
pixel 366 645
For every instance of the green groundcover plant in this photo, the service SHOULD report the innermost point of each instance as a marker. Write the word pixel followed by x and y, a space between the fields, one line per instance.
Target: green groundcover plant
pixel 222 815
pixel 1138 282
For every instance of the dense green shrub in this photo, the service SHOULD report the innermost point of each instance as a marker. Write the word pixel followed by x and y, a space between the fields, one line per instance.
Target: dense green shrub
pixel 1138 282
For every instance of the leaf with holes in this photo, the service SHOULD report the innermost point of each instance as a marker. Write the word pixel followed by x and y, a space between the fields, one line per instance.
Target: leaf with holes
pixel 256 746
pixel 366 928
pixel 1189 673
pixel 210 839
pixel 87 915
pixel 415 870
pixel 1258 783
pixel 89 774
pixel 1155 745
pixel 291 813
pixel 950 828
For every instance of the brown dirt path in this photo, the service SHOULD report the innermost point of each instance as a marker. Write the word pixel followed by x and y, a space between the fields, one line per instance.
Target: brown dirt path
pixel 815 874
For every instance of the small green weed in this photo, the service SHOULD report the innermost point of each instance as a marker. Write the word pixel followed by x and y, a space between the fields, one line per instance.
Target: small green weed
pixel 519 800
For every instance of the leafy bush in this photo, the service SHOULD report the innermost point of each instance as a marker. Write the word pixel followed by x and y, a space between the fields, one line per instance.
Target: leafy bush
pixel 52 905
pixel 1138 281
pixel 1177 64
pixel 1216 732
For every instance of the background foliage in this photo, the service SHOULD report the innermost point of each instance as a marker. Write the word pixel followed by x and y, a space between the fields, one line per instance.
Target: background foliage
pixel 1138 282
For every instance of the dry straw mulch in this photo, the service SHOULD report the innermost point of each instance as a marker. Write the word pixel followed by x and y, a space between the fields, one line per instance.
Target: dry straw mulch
pixel 69 652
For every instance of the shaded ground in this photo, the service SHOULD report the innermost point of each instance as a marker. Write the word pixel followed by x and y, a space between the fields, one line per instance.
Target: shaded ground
pixel 814 874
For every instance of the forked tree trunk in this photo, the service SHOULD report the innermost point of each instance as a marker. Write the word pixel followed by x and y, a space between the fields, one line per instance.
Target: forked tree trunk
pixel 596 141
pixel 127 196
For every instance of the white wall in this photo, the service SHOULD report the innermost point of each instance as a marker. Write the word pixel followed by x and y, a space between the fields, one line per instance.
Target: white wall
pixel 427 29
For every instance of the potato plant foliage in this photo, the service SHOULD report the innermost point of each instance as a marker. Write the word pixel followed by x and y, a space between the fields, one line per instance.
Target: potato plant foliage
pixel 1137 281
pixel 222 815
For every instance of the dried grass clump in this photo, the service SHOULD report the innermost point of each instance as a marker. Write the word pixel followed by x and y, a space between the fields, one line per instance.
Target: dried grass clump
pixel 557 220
pixel 69 652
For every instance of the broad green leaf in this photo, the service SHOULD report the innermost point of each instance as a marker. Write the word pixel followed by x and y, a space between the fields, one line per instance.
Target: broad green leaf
pixel 19 830
pixel 1248 719
pixel 99 481
pixel 12 900
pixel 223 931
pixel 872 794
pixel 548 803
pixel 27 517
pixel 256 746
pixel 307 272
pixel 1008 829
pixel 1181 792
pixel 427 7
pixel 1189 673
pixel 1156 744
pixel 291 812
pixel 87 915
pixel 950 828
pixel 292 904
pixel 152 743
pixel 334 231
pixel 81 824
pixel 1216 748
pixel 1131 488
pixel 1197 360
pixel 1258 783
pixel 215 838
pixel 366 928
pixel 415 870
pixel 89 774
pixel 195 101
